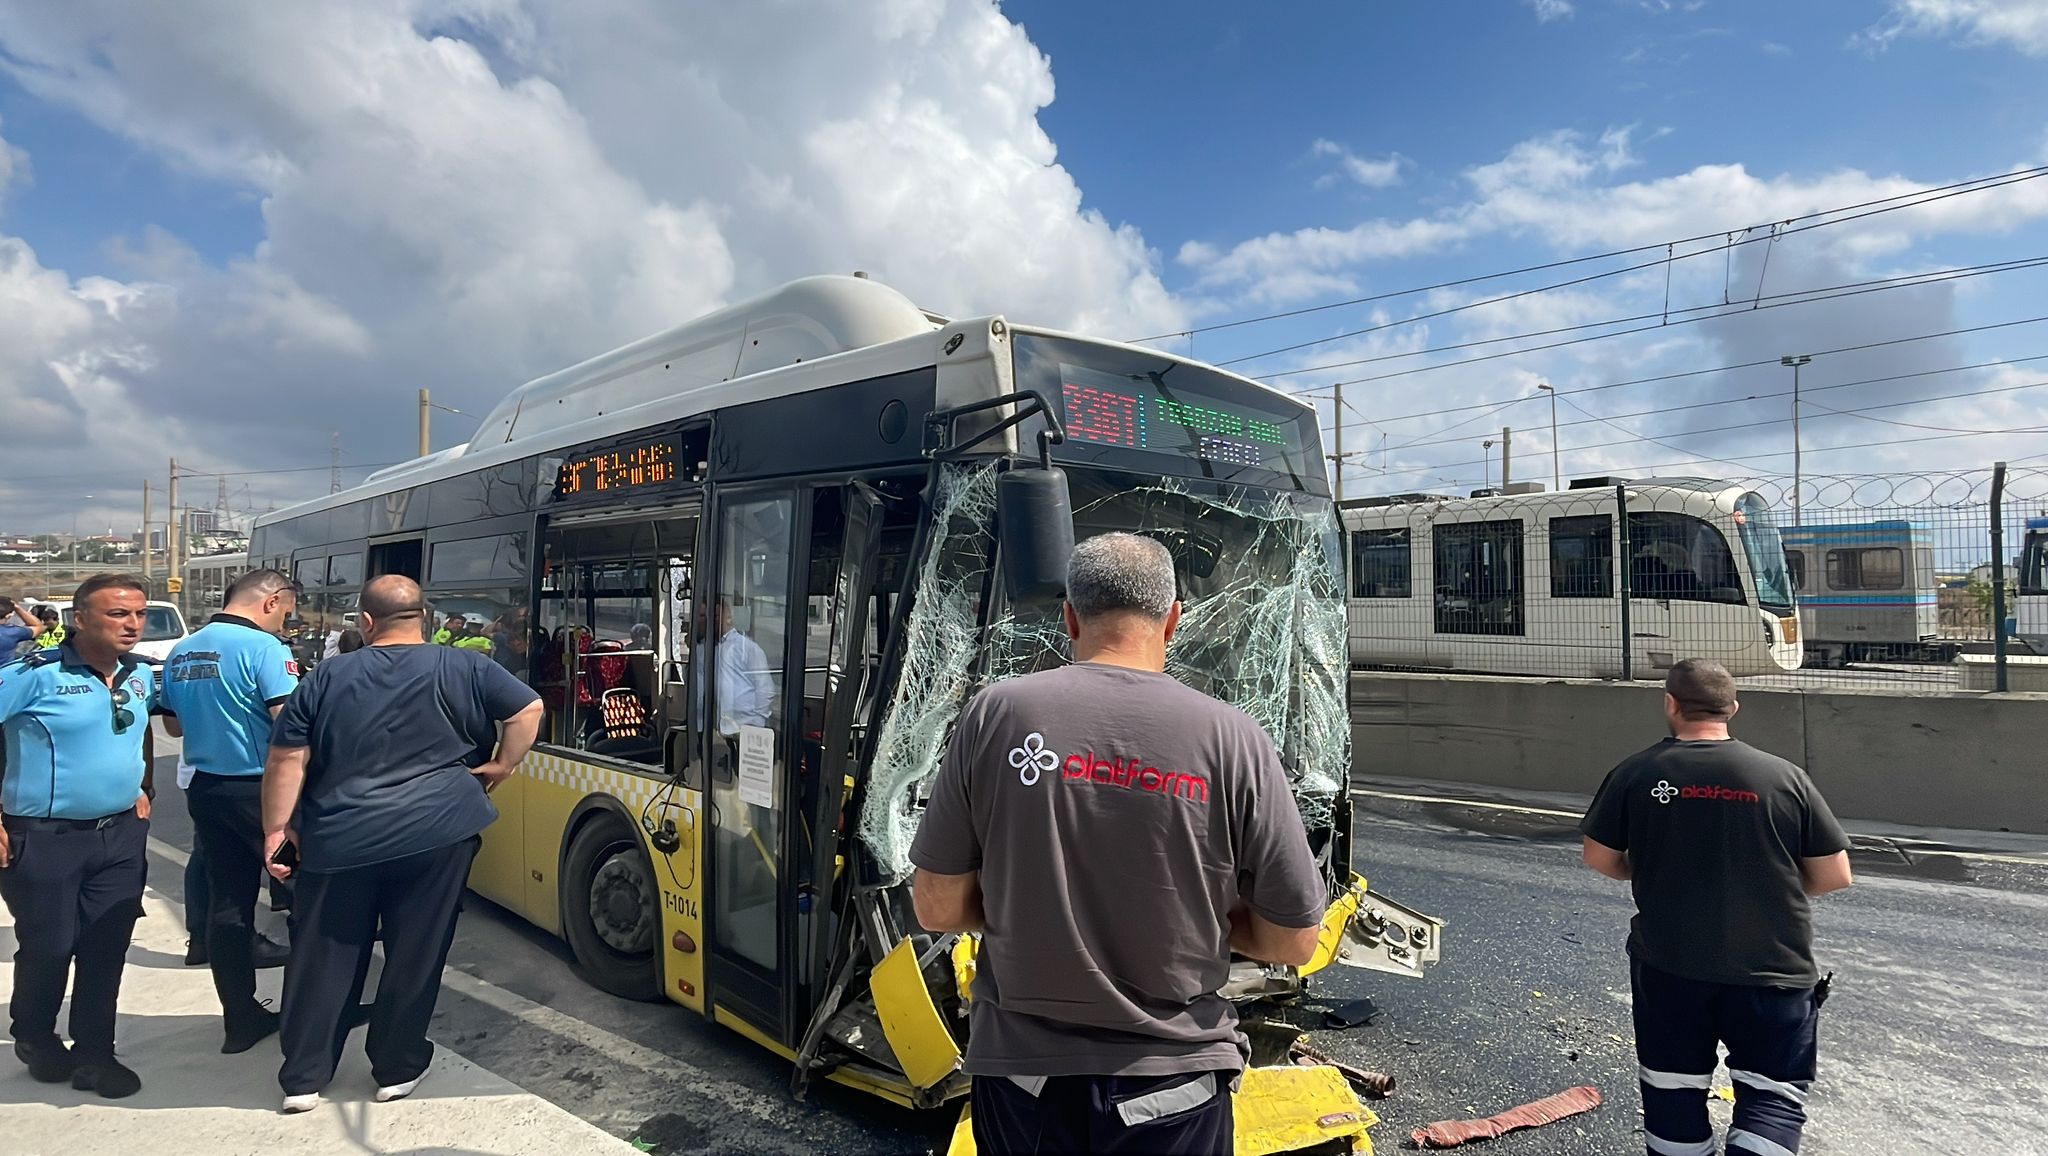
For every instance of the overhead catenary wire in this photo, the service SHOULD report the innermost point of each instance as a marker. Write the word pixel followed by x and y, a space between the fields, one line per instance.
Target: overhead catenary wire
pixel 1957 188
pixel 1745 460
pixel 1777 232
pixel 1680 374
pixel 1779 301
pixel 1432 439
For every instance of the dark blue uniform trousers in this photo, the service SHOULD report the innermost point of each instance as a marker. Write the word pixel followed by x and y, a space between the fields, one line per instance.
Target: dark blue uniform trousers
pixel 1770 1033
pixel 1189 1114
pixel 227 824
pixel 335 915
pixel 75 891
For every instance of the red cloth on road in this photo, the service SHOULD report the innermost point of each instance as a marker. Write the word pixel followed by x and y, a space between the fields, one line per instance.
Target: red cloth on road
pixel 1548 1110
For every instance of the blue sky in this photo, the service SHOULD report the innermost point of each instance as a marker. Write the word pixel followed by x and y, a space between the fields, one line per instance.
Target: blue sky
pixel 231 229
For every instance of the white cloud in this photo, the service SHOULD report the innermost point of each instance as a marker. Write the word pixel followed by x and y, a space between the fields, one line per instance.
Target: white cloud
pixel 467 193
pixel 1559 189
pixel 1372 173
pixel 2020 23
pixel 1549 10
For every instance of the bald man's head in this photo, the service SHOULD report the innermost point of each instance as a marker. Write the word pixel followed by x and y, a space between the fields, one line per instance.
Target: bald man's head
pixel 391 603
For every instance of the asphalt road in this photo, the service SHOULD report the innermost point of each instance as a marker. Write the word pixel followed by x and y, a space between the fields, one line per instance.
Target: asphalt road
pixel 1937 1038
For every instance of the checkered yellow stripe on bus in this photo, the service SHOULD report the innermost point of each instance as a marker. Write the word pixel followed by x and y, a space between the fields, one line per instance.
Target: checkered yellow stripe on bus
pixel 587 779
pixel 552 788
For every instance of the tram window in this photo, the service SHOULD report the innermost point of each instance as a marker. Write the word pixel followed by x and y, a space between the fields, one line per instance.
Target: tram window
pixel 1379 563
pixel 1795 565
pixel 1478 577
pixel 2033 577
pixel 1582 557
pixel 1677 557
pixel 1877 568
pixel 345 570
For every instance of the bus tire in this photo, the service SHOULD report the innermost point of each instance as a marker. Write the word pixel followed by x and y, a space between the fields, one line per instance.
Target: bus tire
pixel 611 912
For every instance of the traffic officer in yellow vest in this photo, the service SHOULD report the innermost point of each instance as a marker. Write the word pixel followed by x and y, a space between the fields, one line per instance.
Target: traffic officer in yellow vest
pixel 74 820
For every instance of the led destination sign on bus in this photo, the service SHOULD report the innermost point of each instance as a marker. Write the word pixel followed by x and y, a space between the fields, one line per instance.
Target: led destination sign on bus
pixel 1140 414
pixel 621 470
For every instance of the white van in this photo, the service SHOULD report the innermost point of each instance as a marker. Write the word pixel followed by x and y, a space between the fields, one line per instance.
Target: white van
pixel 161 631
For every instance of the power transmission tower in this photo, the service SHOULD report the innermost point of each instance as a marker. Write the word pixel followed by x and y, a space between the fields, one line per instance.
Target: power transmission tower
pixel 334 464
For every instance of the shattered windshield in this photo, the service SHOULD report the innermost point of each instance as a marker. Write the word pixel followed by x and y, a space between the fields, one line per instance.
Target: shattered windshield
pixel 1262 627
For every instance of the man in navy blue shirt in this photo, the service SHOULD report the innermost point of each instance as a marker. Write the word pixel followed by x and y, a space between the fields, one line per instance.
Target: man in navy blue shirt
pixel 17 626
pixel 223 686
pixel 387 756
pixel 74 823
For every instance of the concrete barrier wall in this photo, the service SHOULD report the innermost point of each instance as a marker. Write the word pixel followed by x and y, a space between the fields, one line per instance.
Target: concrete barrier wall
pixel 1977 761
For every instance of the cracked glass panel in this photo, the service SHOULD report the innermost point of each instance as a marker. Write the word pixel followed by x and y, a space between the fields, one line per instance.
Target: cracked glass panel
pixel 1262 627
pixel 938 663
pixel 1262 612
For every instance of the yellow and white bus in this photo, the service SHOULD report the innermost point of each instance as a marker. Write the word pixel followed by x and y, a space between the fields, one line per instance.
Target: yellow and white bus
pixel 755 564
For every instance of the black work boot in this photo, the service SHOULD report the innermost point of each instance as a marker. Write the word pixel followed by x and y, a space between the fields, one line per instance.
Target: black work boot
pixel 247 1030
pixel 110 1078
pixel 48 1060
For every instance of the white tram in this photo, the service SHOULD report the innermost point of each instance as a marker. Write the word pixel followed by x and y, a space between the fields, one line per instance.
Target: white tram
pixel 1528 583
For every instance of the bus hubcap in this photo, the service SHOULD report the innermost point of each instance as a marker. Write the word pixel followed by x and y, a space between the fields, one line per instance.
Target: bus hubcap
pixel 619 906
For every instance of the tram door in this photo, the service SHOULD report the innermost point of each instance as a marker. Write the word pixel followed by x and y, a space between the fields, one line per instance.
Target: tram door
pixel 749 805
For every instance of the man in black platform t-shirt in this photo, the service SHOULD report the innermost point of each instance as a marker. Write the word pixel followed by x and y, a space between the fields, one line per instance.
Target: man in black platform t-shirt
pixel 1723 845
pixel 387 755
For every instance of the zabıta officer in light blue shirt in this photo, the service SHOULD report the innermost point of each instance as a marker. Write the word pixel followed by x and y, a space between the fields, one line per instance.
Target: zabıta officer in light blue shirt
pixel 222 687
pixel 74 823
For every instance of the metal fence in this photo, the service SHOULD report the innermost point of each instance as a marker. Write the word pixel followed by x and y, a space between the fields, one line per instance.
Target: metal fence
pixel 1873 581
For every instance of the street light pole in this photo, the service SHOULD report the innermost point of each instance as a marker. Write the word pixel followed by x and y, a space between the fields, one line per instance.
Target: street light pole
pixel 1556 474
pixel 1795 361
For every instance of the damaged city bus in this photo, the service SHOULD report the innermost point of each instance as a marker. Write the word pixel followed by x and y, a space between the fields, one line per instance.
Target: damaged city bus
pixel 754 566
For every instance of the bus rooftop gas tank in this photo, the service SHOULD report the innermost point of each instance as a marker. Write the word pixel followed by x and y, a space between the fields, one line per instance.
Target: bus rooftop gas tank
pixel 802 321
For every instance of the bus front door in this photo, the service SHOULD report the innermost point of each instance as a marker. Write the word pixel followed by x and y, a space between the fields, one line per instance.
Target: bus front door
pixel 749 809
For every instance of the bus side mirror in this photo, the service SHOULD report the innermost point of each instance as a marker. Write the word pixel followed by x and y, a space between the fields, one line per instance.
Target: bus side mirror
pixel 1035 517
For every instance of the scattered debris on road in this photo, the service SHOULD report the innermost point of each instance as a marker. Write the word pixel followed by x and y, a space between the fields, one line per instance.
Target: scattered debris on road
pixel 1372 1085
pixel 1549 1110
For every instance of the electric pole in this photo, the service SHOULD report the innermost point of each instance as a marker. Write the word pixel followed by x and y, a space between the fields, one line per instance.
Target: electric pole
pixel 171 526
pixel 426 407
pixel 1556 474
pixel 1507 449
pixel 1795 361
pixel 1337 441
pixel 333 464
pixel 146 567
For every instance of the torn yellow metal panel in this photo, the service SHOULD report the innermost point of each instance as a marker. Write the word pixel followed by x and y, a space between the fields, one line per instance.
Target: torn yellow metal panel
pixel 910 1020
pixel 1277 1110
pixel 1330 940
pixel 1286 1109
pixel 966 950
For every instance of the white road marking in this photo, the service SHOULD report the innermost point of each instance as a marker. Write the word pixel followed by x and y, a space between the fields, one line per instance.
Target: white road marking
pixel 669 1069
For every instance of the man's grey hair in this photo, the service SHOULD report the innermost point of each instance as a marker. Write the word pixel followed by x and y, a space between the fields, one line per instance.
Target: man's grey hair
pixel 1116 573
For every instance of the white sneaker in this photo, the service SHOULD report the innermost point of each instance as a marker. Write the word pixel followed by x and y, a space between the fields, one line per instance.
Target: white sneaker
pixel 293 1105
pixel 390 1092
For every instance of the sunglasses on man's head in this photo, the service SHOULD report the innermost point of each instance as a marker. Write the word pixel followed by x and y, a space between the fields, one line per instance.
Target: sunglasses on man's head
pixel 123 717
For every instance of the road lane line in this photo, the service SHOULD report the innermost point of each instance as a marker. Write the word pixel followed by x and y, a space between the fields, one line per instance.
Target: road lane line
pixel 772 1109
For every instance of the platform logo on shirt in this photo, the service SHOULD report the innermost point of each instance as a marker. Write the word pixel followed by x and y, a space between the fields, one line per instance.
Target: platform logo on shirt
pixel 1032 760
pixel 1664 792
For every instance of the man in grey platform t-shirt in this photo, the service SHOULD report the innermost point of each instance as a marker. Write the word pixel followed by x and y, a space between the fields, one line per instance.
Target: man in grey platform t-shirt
pixel 1114 835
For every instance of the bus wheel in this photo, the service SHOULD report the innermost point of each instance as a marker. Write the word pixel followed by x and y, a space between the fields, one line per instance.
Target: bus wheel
pixel 610 909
